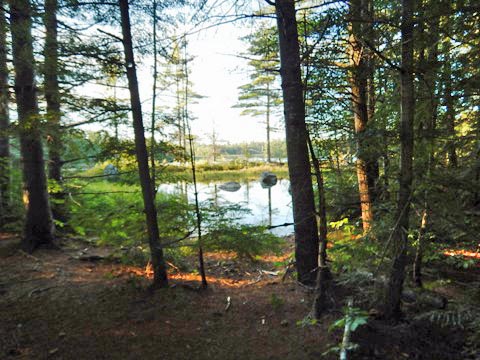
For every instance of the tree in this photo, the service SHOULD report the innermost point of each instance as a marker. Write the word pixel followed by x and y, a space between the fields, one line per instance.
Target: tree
pixel 4 119
pixel 360 76
pixel 38 228
pixel 260 97
pixel 53 100
pixel 400 238
pixel 156 251
pixel 306 232
pixel 426 113
pixel 172 83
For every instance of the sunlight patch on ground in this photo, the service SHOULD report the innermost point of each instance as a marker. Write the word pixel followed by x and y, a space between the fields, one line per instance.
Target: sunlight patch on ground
pixel 189 277
pixel 462 252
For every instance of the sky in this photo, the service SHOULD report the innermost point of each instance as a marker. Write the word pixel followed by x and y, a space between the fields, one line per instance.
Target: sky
pixel 216 74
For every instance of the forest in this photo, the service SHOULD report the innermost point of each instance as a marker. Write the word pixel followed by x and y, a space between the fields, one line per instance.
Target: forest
pixel 354 235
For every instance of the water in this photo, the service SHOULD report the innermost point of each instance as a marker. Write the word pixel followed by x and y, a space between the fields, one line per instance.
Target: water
pixel 271 206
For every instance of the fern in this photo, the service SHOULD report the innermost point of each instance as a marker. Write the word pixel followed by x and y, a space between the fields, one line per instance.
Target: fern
pixel 356 278
pixel 462 317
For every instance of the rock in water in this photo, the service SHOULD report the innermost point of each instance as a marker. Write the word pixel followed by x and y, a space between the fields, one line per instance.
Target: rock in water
pixel 231 186
pixel 268 179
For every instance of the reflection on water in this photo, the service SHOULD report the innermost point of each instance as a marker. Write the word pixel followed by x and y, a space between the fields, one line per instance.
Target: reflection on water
pixel 270 206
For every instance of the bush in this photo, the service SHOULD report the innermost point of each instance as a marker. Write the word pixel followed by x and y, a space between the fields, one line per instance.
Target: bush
pixel 114 214
pixel 245 240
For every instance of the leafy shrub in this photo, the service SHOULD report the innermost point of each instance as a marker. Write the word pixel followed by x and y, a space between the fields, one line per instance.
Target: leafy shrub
pixel 114 214
pixel 224 232
pixel 244 240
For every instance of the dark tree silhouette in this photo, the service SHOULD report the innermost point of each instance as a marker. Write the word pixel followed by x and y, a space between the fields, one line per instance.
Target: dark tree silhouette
pixel 156 251
pixel 38 228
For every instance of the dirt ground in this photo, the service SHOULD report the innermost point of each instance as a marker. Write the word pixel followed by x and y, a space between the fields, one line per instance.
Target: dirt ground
pixel 70 303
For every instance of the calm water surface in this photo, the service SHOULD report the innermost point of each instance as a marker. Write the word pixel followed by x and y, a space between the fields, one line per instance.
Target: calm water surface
pixel 271 206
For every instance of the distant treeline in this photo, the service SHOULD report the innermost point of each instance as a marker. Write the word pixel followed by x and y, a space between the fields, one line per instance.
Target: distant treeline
pixel 247 150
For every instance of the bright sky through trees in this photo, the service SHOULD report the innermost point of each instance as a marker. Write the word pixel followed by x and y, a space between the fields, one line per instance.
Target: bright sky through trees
pixel 217 73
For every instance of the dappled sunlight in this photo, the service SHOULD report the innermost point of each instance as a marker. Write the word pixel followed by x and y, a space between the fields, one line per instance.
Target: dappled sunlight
pixel 462 252
pixel 220 255
pixel 277 258
pixel 340 235
pixel 222 281
pixel 147 273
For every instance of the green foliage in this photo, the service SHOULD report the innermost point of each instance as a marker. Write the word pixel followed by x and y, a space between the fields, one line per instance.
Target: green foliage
pixel 342 195
pixel 344 226
pixel 224 232
pixel 353 318
pixel 244 153
pixel 114 214
pixel 13 218
pixel 348 251
pixel 461 262
pixel 245 240
pixel 307 321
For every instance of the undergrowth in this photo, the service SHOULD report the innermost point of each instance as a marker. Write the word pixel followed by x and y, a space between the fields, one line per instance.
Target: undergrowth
pixel 112 214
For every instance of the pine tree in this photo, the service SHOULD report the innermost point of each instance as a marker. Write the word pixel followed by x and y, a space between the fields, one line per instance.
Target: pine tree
pixel 38 228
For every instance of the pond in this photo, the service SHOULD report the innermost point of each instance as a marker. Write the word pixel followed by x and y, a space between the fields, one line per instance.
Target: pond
pixel 268 206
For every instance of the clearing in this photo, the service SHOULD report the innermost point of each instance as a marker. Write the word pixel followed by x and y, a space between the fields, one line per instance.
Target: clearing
pixel 72 303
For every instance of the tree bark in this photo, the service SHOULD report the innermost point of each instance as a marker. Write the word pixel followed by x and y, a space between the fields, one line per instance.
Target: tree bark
pixel 324 277
pixel 397 273
pixel 427 112
pixel 52 97
pixel 4 120
pixel 38 227
pixel 373 170
pixel 154 100
pixel 306 233
pixel 156 251
pixel 359 77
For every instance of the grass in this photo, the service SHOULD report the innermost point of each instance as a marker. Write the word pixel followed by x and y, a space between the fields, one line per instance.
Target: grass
pixel 225 171
pixel 222 171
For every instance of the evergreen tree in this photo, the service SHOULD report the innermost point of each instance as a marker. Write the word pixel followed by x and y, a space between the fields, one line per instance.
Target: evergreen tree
pixel 156 251
pixel 38 228
pixel 306 232
pixel 4 120
pixel 260 97
pixel 401 242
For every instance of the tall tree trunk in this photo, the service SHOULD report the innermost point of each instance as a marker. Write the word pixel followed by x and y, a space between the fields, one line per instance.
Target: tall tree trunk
pixel 156 251
pixel 38 228
pixel 306 233
pixel 4 120
pixel 373 170
pixel 323 276
pixel 400 239
pixel 427 112
pixel 201 263
pixel 52 97
pixel 154 100
pixel 359 78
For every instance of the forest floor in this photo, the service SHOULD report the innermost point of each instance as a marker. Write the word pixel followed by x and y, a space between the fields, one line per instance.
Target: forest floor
pixel 70 303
